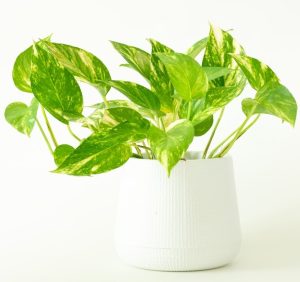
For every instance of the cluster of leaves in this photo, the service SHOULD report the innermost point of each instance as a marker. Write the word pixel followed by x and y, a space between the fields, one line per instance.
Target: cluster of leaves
pixel 155 122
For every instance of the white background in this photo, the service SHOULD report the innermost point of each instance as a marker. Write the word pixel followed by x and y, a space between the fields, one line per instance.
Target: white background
pixel 60 229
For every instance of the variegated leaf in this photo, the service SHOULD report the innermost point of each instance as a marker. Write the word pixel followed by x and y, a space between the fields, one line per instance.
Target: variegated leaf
pixel 82 64
pixel 125 103
pixel 169 147
pixel 272 99
pixel 204 126
pixel 187 76
pixel 217 54
pixel 196 49
pixel 138 59
pixel 22 70
pixel 159 78
pixel 21 116
pixel 102 151
pixel 216 72
pixel 215 100
pixel 123 114
pixel 61 153
pixel 138 94
pixel 257 73
pixel 104 118
pixel 55 87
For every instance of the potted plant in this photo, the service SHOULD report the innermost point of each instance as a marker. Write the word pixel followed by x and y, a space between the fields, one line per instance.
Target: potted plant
pixel 177 208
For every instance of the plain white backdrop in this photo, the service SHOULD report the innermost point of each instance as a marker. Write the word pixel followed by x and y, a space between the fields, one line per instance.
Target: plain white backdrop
pixel 56 228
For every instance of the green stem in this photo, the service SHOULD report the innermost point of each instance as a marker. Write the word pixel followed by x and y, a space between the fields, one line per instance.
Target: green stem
pixel 45 136
pixel 49 127
pixel 162 124
pixel 189 110
pixel 138 150
pixel 147 149
pixel 213 133
pixel 105 101
pixel 221 144
pixel 72 133
pixel 176 109
pixel 240 131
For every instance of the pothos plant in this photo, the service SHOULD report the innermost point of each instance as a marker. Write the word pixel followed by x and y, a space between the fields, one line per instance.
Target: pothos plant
pixel 158 121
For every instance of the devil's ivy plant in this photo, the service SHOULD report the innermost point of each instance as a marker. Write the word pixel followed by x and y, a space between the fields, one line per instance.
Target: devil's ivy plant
pixel 156 121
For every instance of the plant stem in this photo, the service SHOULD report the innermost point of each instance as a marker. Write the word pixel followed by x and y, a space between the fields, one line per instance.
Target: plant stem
pixel 189 110
pixel 223 142
pixel 240 131
pixel 72 133
pixel 211 155
pixel 213 133
pixel 162 124
pixel 45 136
pixel 105 101
pixel 147 149
pixel 49 127
pixel 138 150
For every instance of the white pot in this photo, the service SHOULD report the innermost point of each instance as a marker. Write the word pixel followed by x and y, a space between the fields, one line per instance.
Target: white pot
pixel 186 222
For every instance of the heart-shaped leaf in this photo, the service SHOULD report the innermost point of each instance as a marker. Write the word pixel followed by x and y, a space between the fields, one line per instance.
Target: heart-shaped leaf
pixel 216 72
pixel 187 76
pixel 102 151
pixel 21 116
pixel 22 70
pixel 204 126
pixel 138 94
pixel 159 78
pixel 217 54
pixel 257 73
pixel 82 64
pixel 169 147
pixel 215 100
pixel 138 59
pixel 195 50
pixel 272 99
pixel 62 152
pixel 55 87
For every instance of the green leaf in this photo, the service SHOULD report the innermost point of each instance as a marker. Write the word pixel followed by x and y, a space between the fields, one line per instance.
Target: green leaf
pixel 21 116
pixel 217 54
pixel 257 73
pixel 55 87
pixel 216 72
pixel 125 103
pixel 22 70
pixel 274 100
pixel 136 58
pixel 138 94
pixel 215 100
pixel 82 64
pixel 169 147
pixel 187 76
pixel 62 152
pixel 123 114
pixel 105 118
pixel 102 151
pixel 204 126
pixel 195 50
pixel 159 78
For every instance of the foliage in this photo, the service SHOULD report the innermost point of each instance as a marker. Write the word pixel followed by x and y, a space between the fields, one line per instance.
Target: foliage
pixel 156 121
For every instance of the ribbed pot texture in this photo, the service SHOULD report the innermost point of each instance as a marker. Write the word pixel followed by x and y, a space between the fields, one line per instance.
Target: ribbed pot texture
pixel 188 221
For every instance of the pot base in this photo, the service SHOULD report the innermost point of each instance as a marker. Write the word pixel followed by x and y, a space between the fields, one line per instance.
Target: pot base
pixel 175 259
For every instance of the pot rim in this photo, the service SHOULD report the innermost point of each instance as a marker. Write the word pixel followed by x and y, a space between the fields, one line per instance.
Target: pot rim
pixel 194 159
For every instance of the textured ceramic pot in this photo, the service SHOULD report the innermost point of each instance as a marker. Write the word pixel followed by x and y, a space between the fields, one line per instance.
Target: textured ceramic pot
pixel 188 221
